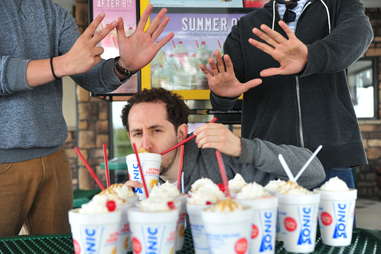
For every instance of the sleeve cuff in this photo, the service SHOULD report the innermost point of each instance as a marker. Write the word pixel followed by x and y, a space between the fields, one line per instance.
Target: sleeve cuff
pixel 15 74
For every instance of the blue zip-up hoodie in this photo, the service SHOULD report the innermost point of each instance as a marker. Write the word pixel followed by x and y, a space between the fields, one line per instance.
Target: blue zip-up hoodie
pixel 31 119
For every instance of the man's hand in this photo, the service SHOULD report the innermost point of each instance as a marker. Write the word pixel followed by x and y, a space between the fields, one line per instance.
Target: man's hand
pixel 85 52
pixel 222 81
pixel 291 53
pixel 217 136
pixel 140 48
pixel 133 184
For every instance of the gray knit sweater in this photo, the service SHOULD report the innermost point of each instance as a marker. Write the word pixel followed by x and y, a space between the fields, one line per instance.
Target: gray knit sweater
pixel 31 119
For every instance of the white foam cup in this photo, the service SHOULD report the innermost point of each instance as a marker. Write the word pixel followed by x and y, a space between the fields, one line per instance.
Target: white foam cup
pixel 95 233
pixel 297 215
pixel 336 214
pixel 263 223
pixel 228 232
pixel 150 163
pixel 181 202
pixel 200 240
pixel 153 232
pixel 124 244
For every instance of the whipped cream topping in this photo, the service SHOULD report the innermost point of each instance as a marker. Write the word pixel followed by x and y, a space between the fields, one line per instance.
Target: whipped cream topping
pixel 252 191
pixel 334 184
pixel 202 182
pixel 225 205
pixel 121 190
pixel 236 184
pixel 98 204
pixel 289 187
pixel 166 190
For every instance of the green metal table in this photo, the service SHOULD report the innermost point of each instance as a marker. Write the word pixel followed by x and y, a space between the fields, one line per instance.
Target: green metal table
pixel 363 242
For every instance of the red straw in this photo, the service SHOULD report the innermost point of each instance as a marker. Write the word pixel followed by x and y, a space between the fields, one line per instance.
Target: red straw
pixel 107 171
pixel 140 169
pixel 91 171
pixel 214 119
pixel 180 171
pixel 223 175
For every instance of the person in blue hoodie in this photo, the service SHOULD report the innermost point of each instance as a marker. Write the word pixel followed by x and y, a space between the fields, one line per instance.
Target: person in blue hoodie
pixel 289 61
pixel 40 43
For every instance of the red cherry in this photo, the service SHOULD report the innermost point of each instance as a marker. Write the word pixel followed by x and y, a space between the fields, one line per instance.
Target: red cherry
pixel 111 205
pixel 171 205
pixel 208 203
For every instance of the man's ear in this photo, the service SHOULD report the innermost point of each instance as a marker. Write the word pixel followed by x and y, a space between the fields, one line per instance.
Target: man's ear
pixel 182 132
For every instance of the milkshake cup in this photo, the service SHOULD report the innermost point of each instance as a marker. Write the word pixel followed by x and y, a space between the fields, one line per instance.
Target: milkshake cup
pixel 200 240
pixel 297 215
pixel 153 232
pixel 95 233
pixel 124 242
pixel 180 228
pixel 150 163
pixel 228 230
pixel 263 224
pixel 336 212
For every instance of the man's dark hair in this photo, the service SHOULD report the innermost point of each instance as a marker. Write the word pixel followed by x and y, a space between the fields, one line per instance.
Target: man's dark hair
pixel 177 110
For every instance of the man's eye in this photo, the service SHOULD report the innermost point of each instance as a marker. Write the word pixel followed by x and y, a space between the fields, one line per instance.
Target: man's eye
pixel 158 130
pixel 136 135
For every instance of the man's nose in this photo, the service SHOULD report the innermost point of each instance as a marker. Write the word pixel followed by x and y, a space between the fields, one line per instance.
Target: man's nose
pixel 146 143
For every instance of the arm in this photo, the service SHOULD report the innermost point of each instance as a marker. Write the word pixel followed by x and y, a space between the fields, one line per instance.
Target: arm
pixel 263 156
pixel 349 39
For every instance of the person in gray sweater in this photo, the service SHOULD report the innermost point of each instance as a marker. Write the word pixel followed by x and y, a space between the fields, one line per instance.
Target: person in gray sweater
pixel 157 119
pixel 40 44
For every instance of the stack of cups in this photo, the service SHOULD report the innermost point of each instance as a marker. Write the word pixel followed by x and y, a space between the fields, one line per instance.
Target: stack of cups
pixel 297 220
pixel 95 233
pixel 336 214
pixel 150 163
pixel 228 232
pixel 153 232
pixel 263 224
pixel 200 240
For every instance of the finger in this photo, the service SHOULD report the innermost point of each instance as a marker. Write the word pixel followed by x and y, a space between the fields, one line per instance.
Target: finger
pixel 271 72
pixel 286 29
pixel 160 29
pixel 229 64
pixel 133 184
pixel 220 63
pixel 262 46
pixel 98 51
pixel 144 18
pixel 157 21
pixel 273 34
pixel 265 37
pixel 90 30
pixel 120 31
pixel 205 70
pixel 165 40
pixel 102 34
pixel 251 84
pixel 213 66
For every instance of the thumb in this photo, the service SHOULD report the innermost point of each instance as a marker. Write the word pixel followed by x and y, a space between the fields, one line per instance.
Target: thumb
pixel 251 84
pixel 270 72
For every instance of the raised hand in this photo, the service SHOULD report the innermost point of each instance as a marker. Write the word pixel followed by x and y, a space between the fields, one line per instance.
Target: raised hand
pixel 139 49
pixel 291 53
pixel 221 77
pixel 85 53
pixel 217 136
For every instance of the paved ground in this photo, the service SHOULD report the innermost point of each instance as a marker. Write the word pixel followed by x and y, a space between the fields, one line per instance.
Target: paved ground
pixel 368 214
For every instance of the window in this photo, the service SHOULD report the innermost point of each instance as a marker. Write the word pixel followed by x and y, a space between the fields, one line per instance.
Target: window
pixel 363 87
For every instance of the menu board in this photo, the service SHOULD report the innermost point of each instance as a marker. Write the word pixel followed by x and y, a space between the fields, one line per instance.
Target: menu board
pixel 128 10
pixel 197 3
pixel 198 32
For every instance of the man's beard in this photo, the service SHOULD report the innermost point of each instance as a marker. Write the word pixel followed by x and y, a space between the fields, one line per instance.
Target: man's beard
pixel 165 169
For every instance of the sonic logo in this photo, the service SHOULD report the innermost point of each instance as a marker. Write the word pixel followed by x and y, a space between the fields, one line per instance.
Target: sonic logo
pixel 340 227
pixel 267 238
pixel 152 240
pixel 91 241
pixel 136 177
pixel 305 232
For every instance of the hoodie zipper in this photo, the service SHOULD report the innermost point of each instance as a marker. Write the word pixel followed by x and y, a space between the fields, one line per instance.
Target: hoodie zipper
pixel 300 120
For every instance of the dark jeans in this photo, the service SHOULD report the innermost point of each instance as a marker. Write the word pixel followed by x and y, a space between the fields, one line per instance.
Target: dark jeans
pixel 345 174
